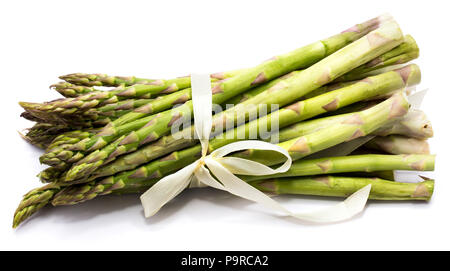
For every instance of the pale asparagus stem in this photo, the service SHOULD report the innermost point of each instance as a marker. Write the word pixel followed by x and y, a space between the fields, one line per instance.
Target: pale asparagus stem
pixel 353 163
pixel 345 186
pixel 359 52
pixel 414 124
pixel 299 58
pixel 297 112
pixel 399 145
pixel 355 125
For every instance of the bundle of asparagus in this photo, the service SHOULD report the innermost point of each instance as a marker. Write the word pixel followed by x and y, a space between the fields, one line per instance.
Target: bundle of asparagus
pixel 343 114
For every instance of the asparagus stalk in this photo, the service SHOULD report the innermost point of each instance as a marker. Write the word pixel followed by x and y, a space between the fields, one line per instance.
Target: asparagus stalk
pixel 98 79
pixel 69 90
pixel 71 137
pixel 344 186
pixel 291 114
pixel 330 186
pixel 47 135
pixel 61 142
pixel 80 121
pixel 353 163
pixel 258 90
pixel 33 201
pixel 399 145
pixel 325 71
pixel 122 105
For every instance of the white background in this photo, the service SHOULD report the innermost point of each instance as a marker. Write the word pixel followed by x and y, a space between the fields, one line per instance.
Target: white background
pixel 43 39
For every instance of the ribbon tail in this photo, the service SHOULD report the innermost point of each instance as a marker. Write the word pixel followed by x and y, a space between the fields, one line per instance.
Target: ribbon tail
pixel 166 189
pixel 350 207
pixel 238 187
pixel 342 211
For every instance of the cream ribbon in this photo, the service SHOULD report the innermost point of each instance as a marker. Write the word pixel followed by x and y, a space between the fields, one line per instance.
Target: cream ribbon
pixel 198 173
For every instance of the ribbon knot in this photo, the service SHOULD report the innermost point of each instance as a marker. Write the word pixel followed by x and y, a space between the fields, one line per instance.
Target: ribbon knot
pixel 198 174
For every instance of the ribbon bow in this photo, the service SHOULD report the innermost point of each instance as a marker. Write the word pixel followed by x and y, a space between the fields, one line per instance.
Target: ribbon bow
pixel 198 174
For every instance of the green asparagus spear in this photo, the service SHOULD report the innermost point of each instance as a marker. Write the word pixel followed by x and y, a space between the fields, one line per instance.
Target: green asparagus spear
pixel 333 186
pixel 98 79
pixel 69 90
pixel 33 201
pixel 353 163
